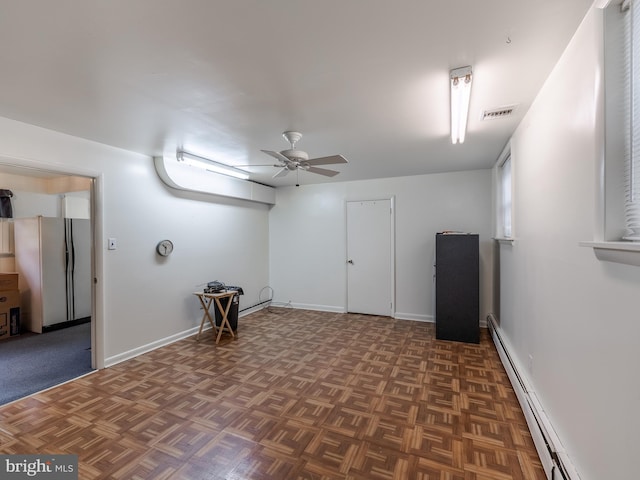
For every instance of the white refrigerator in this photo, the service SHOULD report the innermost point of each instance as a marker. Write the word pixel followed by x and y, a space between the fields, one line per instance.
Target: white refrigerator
pixel 53 260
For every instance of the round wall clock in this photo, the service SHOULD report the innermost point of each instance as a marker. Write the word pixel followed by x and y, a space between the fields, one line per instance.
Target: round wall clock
pixel 164 247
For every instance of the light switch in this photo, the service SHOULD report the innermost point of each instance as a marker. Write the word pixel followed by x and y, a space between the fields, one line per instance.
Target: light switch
pixel 111 242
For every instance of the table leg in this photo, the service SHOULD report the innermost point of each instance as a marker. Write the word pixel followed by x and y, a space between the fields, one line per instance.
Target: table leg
pixel 206 305
pixel 225 321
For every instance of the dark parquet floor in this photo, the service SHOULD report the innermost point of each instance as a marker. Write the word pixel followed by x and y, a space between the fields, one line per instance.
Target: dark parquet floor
pixel 297 395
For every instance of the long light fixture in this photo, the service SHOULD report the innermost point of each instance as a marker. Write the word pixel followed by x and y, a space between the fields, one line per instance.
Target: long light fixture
pixel 211 165
pixel 460 95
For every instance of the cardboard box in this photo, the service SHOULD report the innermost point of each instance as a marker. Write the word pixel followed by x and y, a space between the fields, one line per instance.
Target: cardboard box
pixel 8 281
pixel 9 313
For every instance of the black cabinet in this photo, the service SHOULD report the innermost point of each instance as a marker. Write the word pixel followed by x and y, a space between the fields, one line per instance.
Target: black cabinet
pixel 457 287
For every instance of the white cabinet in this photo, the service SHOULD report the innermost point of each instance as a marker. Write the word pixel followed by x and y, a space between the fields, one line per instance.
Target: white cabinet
pixel 6 236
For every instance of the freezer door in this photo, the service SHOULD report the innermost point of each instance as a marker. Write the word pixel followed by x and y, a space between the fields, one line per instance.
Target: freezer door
pixel 80 270
pixel 52 259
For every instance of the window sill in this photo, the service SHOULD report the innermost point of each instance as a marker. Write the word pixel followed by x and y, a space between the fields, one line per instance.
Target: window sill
pixel 505 241
pixel 617 252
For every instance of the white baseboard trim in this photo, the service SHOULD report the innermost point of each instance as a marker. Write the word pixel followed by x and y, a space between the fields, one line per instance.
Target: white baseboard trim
pixel 128 355
pixel 121 357
pixel 425 318
pixel 555 461
pixel 252 310
pixel 318 308
pixel 414 316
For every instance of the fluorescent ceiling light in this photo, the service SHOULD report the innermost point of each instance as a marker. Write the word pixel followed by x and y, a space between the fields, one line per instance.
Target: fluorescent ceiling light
pixel 460 79
pixel 211 165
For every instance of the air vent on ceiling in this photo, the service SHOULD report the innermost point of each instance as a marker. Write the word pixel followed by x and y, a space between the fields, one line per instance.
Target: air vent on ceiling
pixel 500 112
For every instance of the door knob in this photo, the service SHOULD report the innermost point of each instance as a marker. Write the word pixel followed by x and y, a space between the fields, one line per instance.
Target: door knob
pixel 350 261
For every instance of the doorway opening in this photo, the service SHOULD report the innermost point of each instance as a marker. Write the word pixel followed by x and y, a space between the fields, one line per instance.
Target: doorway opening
pixel 48 241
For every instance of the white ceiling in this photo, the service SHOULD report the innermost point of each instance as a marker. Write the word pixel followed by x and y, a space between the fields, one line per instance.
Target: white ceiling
pixel 364 78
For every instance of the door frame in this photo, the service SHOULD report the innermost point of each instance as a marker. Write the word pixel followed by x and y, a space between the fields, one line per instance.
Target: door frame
pixel 97 270
pixel 392 253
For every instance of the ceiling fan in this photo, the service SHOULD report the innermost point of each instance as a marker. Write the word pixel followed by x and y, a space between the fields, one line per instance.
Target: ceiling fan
pixel 292 159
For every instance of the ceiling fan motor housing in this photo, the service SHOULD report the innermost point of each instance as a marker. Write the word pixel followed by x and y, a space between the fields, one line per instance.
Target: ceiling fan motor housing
pixel 297 155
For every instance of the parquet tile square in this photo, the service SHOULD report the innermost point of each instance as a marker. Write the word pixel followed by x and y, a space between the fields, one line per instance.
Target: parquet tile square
pixel 387 432
pixel 210 411
pixel 430 443
pixel 295 385
pixel 117 414
pixel 446 420
pixel 373 461
pixel 297 395
pixel 289 437
pixel 110 455
pixel 329 455
pixel 310 411
pixel 181 443
pixel 327 391
pixel 266 464
pixel 348 422
pixel 224 449
pixel 413 361
pixel 215 386
pixel 401 409
pixel 252 425
pixel 360 400
pixel 151 464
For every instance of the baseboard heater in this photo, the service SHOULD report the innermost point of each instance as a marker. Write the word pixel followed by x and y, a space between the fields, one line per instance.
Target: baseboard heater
pixel 555 461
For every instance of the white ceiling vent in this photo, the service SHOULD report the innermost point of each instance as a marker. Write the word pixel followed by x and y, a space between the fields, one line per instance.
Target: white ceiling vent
pixel 500 112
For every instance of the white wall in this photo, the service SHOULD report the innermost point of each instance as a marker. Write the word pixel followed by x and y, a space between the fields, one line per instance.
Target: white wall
pixel 575 316
pixel 308 237
pixel 31 204
pixel 144 299
pixel 30 197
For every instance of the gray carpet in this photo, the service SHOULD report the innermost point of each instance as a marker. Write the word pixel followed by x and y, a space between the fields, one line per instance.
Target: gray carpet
pixel 33 362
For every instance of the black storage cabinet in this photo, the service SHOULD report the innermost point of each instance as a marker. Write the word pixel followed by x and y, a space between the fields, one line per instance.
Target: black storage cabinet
pixel 232 316
pixel 457 265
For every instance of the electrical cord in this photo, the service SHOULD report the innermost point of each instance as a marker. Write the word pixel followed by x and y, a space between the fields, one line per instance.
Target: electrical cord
pixel 270 301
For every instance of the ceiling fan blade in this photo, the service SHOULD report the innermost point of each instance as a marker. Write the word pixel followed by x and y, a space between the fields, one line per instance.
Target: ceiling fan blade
pixel 281 173
pixel 277 155
pixel 322 171
pixel 257 165
pixel 331 160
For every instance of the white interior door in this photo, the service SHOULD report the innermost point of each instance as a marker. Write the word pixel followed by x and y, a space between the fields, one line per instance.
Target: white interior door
pixel 369 257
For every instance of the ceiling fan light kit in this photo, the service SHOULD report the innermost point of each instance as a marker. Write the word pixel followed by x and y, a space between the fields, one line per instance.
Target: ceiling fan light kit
pixel 460 82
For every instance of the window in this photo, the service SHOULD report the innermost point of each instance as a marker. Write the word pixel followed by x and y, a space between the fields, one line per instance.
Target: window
pixel 617 238
pixel 632 140
pixel 621 197
pixel 619 212
pixel 503 196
